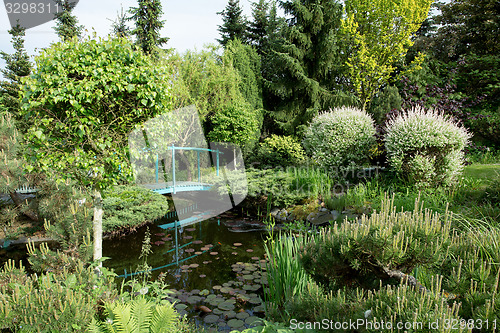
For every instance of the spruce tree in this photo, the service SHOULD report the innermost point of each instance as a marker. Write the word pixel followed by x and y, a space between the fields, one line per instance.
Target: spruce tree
pixel 308 64
pixel 66 23
pixel 234 23
pixel 148 24
pixel 17 66
pixel 259 25
pixel 119 26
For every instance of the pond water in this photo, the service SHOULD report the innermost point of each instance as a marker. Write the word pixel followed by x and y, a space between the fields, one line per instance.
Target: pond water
pixel 221 267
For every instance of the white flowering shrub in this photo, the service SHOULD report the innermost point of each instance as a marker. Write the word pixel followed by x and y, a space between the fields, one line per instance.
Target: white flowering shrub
pixel 425 147
pixel 341 137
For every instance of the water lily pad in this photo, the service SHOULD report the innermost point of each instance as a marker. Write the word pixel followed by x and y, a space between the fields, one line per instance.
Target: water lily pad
pixel 214 253
pixel 184 266
pixel 197 242
pixel 234 253
pixel 249 250
pixel 209 297
pixel 248 277
pixel 252 321
pixel 203 276
pixel 190 229
pixel 235 323
pixel 242 315
pixel 216 287
pixel 229 314
pixel 210 319
pixel 166 239
pixel 237 244
pixel 158 243
pixel 188 237
pixel 198 253
pixel 193 299
pixel 255 258
pixel 206 262
pixel 160 234
pixel 217 311
pixel 255 300
pixel 226 306
pixel 247 287
pixel 204 292
pixel 180 306
pixel 259 308
pixel 189 250
pixel 177 276
pixel 194 265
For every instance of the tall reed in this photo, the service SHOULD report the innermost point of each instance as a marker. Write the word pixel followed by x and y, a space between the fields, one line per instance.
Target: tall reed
pixel 285 274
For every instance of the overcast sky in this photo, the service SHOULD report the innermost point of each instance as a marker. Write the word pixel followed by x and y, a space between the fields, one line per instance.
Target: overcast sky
pixel 189 23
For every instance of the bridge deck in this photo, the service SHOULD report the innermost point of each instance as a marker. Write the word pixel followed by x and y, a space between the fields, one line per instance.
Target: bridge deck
pixel 183 186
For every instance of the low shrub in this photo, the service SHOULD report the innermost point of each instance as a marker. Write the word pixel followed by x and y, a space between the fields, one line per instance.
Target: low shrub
pixel 63 302
pixel 340 138
pixel 129 207
pixel 280 151
pixel 425 147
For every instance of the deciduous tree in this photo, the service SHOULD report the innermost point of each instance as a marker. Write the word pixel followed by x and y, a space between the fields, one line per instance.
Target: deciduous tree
pixel 380 32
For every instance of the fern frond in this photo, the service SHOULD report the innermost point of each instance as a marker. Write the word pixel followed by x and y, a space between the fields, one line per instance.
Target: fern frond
pixel 121 316
pixel 164 318
pixel 142 312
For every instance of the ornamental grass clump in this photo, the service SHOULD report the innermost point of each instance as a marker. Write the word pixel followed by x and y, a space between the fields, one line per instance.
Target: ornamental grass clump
pixel 340 138
pixel 425 147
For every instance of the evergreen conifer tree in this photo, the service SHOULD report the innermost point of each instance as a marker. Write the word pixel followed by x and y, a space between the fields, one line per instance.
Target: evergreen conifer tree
pixel 148 24
pixel 234 23
pixel 119 26
pixel 66 23
pixel 307 70
pixel 17 66
pixel 258 27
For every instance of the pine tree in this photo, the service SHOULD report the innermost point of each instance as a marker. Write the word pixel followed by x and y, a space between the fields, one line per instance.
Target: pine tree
pixel 119 26
pixel 17 66
pixel 259 26
pixel 66 23
pixel 307 63
pixel 234 23
pixel 148 25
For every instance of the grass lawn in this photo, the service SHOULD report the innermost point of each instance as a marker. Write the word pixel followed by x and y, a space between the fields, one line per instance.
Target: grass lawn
pixel 484 172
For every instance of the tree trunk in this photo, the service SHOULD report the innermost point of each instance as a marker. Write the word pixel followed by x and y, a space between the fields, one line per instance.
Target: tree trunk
pixel 187 164
pixel 18 202
pixel 97 224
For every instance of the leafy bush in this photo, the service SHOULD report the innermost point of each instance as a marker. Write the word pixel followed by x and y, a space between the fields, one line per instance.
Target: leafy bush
pixel 425 148
pixel 129 207
pixel 280 151
pixel 385 101
pixel 341 137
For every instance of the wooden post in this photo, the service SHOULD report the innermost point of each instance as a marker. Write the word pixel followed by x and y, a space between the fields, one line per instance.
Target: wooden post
pixel 173 166
pixel 97 226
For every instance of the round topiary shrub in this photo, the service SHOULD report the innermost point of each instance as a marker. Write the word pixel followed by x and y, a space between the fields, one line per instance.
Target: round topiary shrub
pixel 278 150
pixel 340 138
pixel 425 147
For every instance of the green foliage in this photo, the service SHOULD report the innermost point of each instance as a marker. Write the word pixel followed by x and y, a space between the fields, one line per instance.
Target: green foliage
pixel 385 101
pixel 305 64
pixel 66 23
pixel 83 100
pixel 129 207
pixel 17 66
pixel 63 302
pixel 234 23
pixel 281 151
pixel 148 25
pixel 425 148
pixel 246 60
pixel 235 123
pixel 205 80
pixel 378 247
pixel 138 315
pixel 340 138
pixel 379 40
pixel 285 274
pixel 258 27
